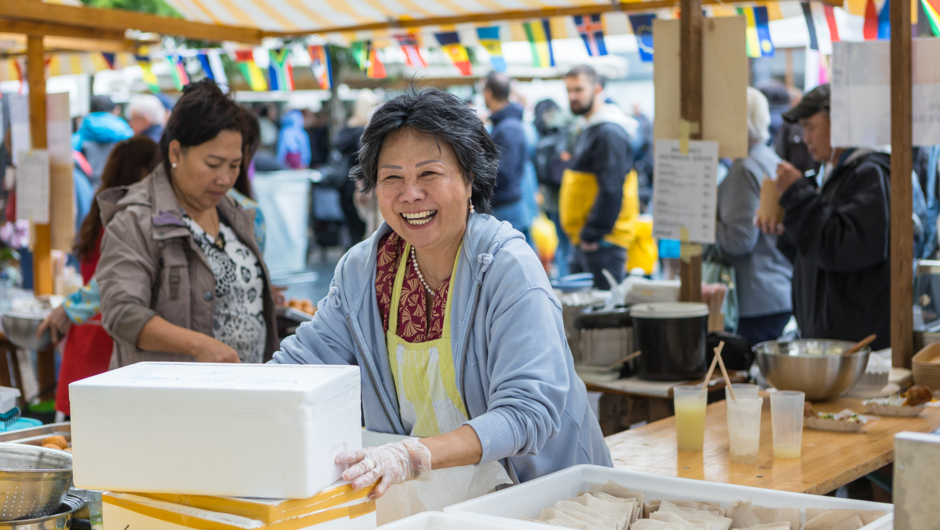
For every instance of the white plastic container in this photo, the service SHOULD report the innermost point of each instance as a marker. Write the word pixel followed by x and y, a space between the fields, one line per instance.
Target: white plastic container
pixel 450 521
pixel 231 430
pixel 8 397
pixel 528 499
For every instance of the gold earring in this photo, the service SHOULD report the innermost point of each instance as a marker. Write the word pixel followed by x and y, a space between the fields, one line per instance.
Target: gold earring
pixel 471 207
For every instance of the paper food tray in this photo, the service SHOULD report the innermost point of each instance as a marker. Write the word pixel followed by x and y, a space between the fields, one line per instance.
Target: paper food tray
pixel 528 499
pixel 892 410
pixel 836 425
pixel 451 521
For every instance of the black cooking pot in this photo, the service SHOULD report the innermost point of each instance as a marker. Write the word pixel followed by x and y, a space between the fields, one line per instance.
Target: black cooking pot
pixel 672 337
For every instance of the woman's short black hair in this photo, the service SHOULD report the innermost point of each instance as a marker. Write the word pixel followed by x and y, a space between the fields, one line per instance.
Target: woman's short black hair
pixel 199 116
pixel 447 119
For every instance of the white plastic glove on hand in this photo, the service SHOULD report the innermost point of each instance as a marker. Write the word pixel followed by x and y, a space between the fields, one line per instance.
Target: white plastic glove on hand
pixel 389 464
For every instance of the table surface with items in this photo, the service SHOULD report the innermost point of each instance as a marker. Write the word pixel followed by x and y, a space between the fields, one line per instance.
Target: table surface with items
pixel 828 460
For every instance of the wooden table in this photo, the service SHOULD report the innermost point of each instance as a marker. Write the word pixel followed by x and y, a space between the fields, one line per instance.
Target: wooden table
pixel 829 459
pixel 620 408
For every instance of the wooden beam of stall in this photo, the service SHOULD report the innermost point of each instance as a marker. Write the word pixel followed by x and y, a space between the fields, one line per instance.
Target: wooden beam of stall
pixel 120 20
pixel 690 81
pixel 36 77
pixel 520 14
pixel 39 29
pixel 69 44
pixel 902 243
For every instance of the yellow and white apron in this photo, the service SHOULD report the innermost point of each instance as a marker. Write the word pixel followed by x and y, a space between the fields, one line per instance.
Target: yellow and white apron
pixel 424 374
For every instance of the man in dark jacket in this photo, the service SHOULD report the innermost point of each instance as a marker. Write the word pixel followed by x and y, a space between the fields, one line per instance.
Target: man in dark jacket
pixel 510 138
pixel 599 201
pixel 837 235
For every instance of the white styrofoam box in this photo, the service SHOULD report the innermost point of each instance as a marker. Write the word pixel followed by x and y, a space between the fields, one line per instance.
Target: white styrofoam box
pixel 230 430
pixel 528 499
pixel 8 397
pixel 451 521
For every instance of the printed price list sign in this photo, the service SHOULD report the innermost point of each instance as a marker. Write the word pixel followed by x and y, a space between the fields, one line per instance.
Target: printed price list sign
pixel 685 193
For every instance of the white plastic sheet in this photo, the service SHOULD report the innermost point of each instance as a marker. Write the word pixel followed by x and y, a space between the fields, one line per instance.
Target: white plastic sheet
pixel 861 93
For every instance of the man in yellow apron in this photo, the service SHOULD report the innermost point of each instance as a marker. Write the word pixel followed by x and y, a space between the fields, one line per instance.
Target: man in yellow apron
pixel 599 199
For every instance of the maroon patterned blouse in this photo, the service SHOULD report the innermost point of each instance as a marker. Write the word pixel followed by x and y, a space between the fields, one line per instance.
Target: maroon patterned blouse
pixel 413 323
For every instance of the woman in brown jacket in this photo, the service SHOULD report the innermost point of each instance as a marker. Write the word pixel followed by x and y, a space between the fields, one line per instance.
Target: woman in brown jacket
pixel 181 274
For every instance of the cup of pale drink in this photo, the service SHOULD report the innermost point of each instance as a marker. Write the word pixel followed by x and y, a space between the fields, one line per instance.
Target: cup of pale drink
pixel 744 428
pixel 690 403
pixel 786 414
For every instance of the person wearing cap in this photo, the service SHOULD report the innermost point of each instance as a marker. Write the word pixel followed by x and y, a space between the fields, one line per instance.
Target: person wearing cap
pixel 100 131
pixel 836 232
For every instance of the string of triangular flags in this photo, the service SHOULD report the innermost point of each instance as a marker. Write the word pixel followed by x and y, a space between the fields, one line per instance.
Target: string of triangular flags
pixel 276 70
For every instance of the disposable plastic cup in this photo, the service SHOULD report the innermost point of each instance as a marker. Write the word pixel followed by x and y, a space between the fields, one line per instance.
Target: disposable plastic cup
pixel 786 414
pixel 742 390
pixel 744 428
pixel 690 403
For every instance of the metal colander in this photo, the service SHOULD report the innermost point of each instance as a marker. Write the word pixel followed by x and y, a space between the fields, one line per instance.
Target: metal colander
pixel 33 481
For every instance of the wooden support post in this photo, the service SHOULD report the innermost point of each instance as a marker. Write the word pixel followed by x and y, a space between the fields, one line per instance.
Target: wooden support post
pixel 690 80
pixel 902 244
pixel 36 76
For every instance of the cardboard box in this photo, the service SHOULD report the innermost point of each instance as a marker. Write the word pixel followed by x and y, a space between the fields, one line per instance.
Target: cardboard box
pixel 337 508
pixel 230 430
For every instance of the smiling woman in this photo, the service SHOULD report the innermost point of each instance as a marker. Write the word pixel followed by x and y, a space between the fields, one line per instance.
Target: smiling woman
pixel 469 354
pixel 181 274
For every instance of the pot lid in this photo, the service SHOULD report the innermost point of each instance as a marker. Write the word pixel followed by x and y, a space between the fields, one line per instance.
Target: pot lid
pixel 669 310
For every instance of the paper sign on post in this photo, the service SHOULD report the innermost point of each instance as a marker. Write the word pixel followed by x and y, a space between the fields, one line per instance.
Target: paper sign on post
pixel 32 187
pixel 20 139
pixel 685 197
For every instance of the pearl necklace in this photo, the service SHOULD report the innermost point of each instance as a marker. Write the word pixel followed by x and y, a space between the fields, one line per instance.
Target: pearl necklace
pixel 414 261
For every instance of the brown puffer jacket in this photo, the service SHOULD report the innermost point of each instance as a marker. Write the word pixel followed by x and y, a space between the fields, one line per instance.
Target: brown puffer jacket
pixel 150 265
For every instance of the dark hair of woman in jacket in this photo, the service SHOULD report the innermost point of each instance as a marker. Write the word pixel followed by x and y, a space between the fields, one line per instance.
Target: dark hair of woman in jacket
pixel 130 161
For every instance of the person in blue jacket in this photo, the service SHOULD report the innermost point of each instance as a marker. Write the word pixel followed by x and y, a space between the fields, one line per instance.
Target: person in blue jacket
pixel 448 313
pixel 293 144
pixel 100 131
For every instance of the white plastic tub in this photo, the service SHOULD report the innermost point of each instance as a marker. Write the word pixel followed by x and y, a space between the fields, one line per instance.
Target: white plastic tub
pixel 450 521
pixel 527 500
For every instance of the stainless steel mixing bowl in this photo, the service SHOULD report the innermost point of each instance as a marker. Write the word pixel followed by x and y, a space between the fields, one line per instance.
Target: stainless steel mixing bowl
pixel 21 330
pixel 814 367
pixel 33 481
pixel 62 518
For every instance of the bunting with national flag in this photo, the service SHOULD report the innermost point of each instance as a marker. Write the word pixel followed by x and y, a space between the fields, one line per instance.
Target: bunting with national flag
pixel 489 39
pixel 280 71
pixel 450 43
pixel 178 71
pixel 831 22
pixel 539 35
pixel 143 60
pixel 871 21
pixel 643 29
pixel 751 41
pixel 320 64
pixel 360 53
pixel 884 21
pixel 591 29
pixel 109 58
pixel 412 48
pixel 245 60
pixel 762 23
pixel 211 64
pixel 375 69
pixel 931 8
